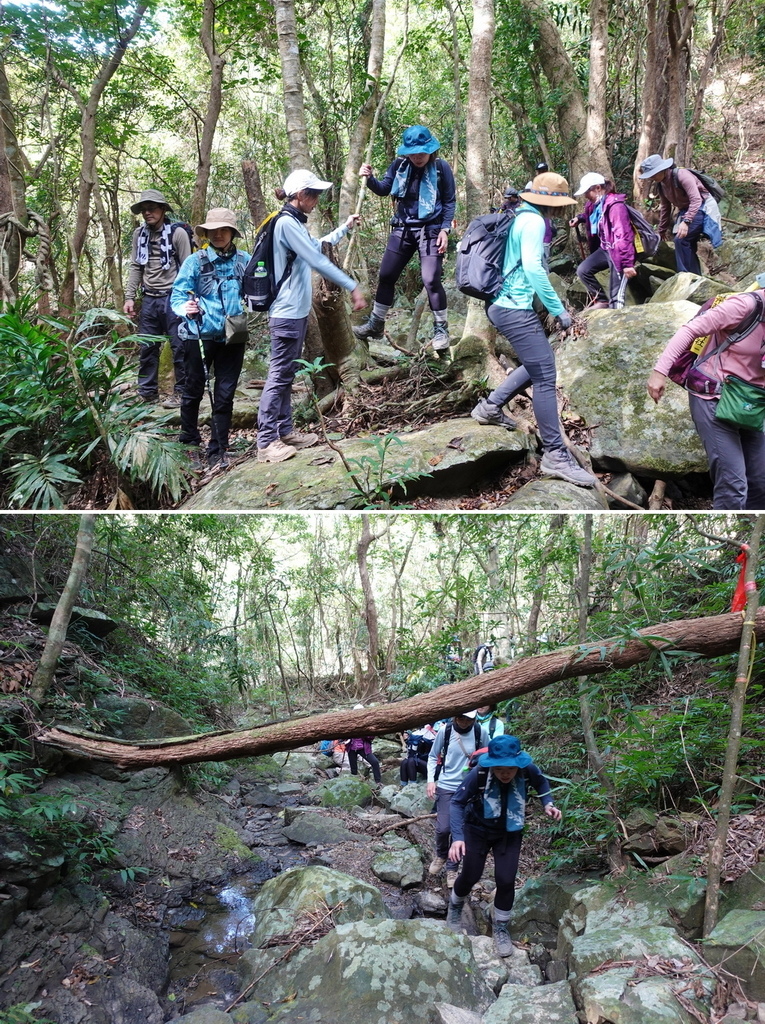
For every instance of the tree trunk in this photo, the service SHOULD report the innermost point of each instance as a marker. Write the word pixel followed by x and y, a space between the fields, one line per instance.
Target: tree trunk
pixel 371 678
pixel 337 339
pixel 214 101
pixel 12 180
pixel 597 91
pixel 88 170
pixel 256 202
pixel 709 637
pixel 111 253
pixel 703 80
pixel 746 653
pixel 532 623
pixel 43 676
pixel 679 26
pixel 292 85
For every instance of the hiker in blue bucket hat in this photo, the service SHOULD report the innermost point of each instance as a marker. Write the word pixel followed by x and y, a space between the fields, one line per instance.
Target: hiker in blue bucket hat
pixel 424 186
pixel 487 814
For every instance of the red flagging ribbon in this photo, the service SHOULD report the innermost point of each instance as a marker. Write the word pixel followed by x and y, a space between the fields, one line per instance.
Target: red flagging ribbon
pixel 739 597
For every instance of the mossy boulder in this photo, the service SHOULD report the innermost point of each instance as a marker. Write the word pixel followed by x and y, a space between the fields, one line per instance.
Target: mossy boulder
pixel 547 1004
pixel 141 718
pixel 617 997
pixel 693 287
pixel 400 865
pixel 344 791
pixel 738 942
pixel 549 493
pixel 604 373
pixel 742 255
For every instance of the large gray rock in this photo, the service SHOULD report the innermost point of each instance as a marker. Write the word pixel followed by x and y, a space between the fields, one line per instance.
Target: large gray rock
pixel 453 455
pixel 377 972
pixel 345 791
pixel 548 1004
pixel 625 942
pixel 742 255
pixel 402 867
pixel 96 622
pixel 204 1015
pixel 139 718
pixel 411 801
pixel 299 892
pixel 549 493
pixel 311 828
pixel 614 996
pixel 738 942
pixel 542 903
pixel 604 373
pixel 689 286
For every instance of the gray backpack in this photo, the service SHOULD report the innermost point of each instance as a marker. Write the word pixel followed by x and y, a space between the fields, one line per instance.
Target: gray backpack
pixel 481 255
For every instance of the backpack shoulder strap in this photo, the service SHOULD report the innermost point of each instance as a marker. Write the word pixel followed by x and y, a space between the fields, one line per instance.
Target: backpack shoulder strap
pixel 447 737
pixel 477 734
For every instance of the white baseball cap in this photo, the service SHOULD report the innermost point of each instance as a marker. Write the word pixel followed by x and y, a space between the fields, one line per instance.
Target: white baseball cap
pixel 587 182
pixel 299 180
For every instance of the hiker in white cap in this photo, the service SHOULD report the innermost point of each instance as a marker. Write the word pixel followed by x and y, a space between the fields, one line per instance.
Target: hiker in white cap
pixel 208 294
pixel 608 222
pixel 159 248
pixel 288 316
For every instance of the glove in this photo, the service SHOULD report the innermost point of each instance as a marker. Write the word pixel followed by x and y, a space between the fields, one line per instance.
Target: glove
pixel 564 319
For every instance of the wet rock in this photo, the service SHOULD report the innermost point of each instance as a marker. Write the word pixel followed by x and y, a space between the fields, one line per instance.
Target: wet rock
pixel 261 796
pixel 452 455
pixel 605 375
pixel 547 1004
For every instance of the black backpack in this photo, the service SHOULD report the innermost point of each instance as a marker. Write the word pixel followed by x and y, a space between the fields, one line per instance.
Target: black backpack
pixel 713 187
pixel 259 284
pixel 192 238
pixel 445 748
pixel 481 255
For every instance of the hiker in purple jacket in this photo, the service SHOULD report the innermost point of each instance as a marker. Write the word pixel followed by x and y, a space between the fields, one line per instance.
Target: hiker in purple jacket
pixel 609 221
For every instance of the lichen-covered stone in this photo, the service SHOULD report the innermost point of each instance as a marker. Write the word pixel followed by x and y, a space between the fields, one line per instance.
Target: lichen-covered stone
pixel 604 374
pixel 614 996
pixel 319 829
pixel 625 942
pixel 549 493
pixel 742 255
pixel 411 800
pixel 399 867
pixel 738 942
pixel 689 286
pixel 547 1004
pixel 345 791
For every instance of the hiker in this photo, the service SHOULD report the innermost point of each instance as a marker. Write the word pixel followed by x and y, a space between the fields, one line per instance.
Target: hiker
pixel 207 293
pixel 159 248
pixel 417 747
pixel 697 210
pixel 609 222
pixel 487 814
pixel 550 229
pixel 489 720
pixel 512 313
pixel 288 316
pixel 447 764
pixel 362 746
pixel 736 454
pixel 483 659
pixel 424 186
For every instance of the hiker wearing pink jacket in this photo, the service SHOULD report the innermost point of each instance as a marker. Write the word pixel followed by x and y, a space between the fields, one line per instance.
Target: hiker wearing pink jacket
pixel 610 222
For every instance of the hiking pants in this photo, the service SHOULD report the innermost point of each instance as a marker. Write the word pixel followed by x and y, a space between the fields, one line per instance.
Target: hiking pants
pixel 156 317
pixel 736 458
pixel 403 243
pixel 353 761
pixel 224 363
pixel 506 851
pixel 413 766
pixel 275 409
pixel 587 270
pixel 686 256
pixel 523 330
pixel 444 826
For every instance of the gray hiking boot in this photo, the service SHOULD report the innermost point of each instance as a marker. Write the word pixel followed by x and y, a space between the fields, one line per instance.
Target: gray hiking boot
pixel 373 328
pixel 559 462
pixel 440 339
pixel 487 412
pixel 454 916
pixel 503 942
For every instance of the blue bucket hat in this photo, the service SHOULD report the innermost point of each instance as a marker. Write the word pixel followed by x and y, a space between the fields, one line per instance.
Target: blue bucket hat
pixel 418 139
pixel 505 752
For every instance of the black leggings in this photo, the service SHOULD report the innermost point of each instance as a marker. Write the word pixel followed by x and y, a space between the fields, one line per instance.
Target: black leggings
pixel 403 243
pixel 413 766
pixel 507 852
pixel 353 761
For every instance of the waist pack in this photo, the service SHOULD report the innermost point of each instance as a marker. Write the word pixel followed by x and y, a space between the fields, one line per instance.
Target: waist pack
pixel 741 403
pixel 236 329
pixel 481 255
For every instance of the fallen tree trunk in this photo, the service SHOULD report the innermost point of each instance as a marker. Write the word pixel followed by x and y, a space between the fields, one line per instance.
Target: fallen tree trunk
pixel 708 637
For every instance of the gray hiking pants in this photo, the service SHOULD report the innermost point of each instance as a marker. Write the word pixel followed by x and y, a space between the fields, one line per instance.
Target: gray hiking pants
pixel 736 458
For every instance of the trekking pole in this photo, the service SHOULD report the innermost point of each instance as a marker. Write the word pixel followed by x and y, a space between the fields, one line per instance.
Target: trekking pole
pixel 197 319
pixel 580 240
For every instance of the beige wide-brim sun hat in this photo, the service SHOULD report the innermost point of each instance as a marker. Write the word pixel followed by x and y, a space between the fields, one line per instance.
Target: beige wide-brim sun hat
pixel 548 189
pixel 220 217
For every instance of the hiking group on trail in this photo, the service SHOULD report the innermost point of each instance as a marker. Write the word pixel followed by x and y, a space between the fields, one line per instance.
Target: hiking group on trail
pixel 200 300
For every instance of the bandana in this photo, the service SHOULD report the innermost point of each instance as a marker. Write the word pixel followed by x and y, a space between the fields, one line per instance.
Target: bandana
pixel 515 813
pixel 428 187
pixel 165 245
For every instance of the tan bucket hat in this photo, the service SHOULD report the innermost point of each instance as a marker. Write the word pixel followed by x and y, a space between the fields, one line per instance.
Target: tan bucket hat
pixel 220 217
pixel 151 195
pixel 548 189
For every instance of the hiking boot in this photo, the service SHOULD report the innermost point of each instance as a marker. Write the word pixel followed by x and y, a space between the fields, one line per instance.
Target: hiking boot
pixel 297 440
pixel 194 454
pixel 440 340
pixel 559 462
pixel 598 304
pixel 277 451
pixel 373 328
pixel 218 461
pixel 436 865
pixel 173 402
pixel 451 878
pixel 503 942
pixel 152 399
pixel 487 413
pixel 454 916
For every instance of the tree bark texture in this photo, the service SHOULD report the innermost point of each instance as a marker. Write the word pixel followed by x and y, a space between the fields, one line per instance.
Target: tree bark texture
pixel 43 676
pixel 292 82
pixel 214 101
pixel 88 170
pixel 371 677
pixel 598 89
pixel 746 653
pixel 12 181
pixel 709 637
pixel 253 189
pixel 338 340
pixel 478 119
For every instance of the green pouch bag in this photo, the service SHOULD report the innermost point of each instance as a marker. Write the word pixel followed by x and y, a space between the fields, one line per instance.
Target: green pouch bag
pixel 741 403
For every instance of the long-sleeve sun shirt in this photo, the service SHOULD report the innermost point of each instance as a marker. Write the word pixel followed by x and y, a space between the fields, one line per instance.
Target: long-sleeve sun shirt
pixel 294 299
pixel 216 281
pixel 461 746
pixel 525 275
